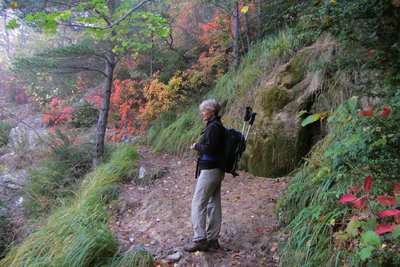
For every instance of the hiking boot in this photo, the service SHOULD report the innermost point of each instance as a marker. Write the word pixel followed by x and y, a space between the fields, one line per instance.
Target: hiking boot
pixel 213 245
pixel 197 246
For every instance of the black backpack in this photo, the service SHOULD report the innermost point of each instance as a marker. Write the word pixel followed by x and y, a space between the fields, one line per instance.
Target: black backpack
pixel 235 145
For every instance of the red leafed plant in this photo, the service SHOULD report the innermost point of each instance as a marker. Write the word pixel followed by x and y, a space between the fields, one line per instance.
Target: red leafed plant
pixel 58 114
pixel 361 203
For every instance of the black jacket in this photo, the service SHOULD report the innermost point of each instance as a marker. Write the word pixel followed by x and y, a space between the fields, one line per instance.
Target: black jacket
pixel 211 144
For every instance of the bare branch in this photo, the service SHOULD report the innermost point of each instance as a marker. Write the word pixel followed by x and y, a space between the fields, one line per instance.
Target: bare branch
pixel 127 14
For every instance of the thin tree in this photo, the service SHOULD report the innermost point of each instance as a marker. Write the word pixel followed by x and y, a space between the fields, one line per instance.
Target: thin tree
pixel 259 19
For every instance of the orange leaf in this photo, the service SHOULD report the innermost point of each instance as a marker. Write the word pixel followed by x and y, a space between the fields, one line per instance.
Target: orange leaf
pixel 321 218
pixel 14 5
pixel 368 112
pixel 235 255
pixel 385 111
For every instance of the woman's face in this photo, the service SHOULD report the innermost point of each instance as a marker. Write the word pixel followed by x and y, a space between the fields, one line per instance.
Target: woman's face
pixel 206 114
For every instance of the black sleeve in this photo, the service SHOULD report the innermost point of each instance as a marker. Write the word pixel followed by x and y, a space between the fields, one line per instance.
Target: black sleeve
pixel 212 141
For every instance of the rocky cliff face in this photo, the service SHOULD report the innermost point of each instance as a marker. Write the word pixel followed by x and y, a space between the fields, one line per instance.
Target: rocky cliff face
pixel 278 142
pixel 16 157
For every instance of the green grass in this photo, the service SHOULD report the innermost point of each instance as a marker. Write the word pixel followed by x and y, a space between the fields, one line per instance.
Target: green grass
pixel 78 234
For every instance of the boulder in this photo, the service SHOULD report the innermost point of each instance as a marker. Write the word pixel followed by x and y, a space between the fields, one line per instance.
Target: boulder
pixel 278 142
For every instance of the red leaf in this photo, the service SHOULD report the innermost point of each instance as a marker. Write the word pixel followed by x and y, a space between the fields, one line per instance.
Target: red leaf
pixel 397 189
pixel 368 183
pixel 387 213
pixel 385 111
pixel 360 202
pixel 385 228
pixel 368 112
pixel 347 198
pixel 355 189
pixel 371 52
pixel 386 200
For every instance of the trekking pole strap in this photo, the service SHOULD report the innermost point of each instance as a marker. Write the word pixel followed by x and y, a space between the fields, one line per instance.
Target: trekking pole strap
pixel 247 116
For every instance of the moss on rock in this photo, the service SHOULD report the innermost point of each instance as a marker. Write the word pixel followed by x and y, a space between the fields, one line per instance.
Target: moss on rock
pixel 294 71
pixel 278 152
pixel 273 99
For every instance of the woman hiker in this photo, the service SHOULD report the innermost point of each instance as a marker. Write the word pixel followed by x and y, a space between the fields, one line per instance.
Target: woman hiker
pixel 206 201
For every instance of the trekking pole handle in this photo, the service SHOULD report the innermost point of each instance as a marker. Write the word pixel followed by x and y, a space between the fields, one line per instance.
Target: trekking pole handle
pixel 247 115
pixel 253 116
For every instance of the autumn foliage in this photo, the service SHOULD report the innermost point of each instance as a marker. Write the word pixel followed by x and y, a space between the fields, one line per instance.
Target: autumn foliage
pixel 59 113
pixel 362 203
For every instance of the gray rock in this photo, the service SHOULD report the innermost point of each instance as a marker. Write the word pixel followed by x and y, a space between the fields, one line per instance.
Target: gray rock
pixel 12 186
pixel 176 256
pixel 5 178
pixel 142 172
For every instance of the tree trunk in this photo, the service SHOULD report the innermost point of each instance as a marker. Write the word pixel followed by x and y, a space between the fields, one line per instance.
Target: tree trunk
pixel 236 35
pixel 246 22
pixel 152 54
pixel 98 149
pixel 259 20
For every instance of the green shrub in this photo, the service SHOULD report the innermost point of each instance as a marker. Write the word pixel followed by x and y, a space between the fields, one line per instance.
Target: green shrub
pixel 85 115
pixel 5 129
pixel 4 228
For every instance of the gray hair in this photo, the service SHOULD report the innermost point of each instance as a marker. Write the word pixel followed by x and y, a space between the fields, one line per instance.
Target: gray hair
pixel 210 105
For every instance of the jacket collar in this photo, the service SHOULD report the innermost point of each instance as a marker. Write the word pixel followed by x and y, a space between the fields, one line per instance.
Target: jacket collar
pixel 213 118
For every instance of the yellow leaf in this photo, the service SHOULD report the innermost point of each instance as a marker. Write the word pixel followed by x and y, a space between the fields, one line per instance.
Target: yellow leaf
pixel 332 2
pixel 197 253
pixel 244 9
pixel 14 4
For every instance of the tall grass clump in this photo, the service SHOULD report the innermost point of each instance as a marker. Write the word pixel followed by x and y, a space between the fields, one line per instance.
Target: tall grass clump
pixel 78 234
pixel 58 176
pixel 136 257
pixel 358 145
pixel 5 129
pixel 174 131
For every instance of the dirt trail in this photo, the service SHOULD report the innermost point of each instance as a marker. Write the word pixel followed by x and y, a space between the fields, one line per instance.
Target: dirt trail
pixel 157 217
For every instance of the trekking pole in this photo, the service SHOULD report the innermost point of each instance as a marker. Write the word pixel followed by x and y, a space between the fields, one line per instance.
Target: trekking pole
pixel 247 117
pixel 253 116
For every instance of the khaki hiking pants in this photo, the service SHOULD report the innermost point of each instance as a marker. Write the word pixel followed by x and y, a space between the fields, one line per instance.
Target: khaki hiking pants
pixel 207 203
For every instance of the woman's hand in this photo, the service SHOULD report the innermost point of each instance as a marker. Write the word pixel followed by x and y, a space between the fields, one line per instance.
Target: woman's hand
pixel 192 146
